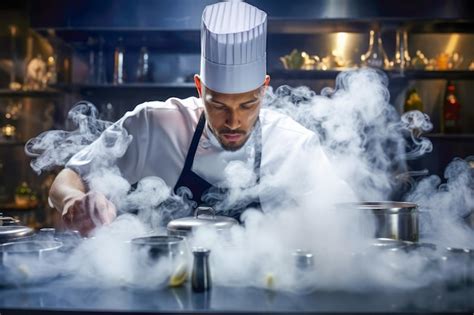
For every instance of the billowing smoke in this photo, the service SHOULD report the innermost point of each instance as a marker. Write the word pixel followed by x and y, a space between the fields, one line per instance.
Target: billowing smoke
pixel 55 147
pixel 447 205
pixel 360 155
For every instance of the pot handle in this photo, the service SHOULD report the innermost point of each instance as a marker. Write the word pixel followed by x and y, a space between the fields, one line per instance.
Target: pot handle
pixel 204 209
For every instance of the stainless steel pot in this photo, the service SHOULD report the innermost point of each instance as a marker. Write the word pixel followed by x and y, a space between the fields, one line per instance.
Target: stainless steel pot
pixel 394 220
pixel 10 233
pixel 203 217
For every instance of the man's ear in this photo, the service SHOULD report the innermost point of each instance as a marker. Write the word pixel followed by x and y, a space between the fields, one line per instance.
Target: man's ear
pixel 266 83
pixel 267 80
pixel 197 82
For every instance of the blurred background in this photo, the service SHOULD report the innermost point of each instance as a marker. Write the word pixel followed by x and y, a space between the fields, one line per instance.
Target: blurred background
pixel 119 53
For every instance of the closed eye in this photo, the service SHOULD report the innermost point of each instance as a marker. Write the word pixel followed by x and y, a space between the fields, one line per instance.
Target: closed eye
pixel 248 105
pixel 218 106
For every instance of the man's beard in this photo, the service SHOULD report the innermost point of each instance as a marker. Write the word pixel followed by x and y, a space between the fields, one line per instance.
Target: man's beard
pixel 233 147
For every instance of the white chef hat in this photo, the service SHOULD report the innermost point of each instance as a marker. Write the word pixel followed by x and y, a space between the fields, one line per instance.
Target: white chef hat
pixel 233 47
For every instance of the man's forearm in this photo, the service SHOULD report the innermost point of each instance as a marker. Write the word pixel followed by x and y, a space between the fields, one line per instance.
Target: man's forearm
pixel 67 186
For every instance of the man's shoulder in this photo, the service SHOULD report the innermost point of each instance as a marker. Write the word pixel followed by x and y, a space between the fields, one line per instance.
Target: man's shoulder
pixel 185 106
pixel 279 122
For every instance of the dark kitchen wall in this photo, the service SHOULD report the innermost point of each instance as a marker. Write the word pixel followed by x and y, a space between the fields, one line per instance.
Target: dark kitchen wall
pixel 170 29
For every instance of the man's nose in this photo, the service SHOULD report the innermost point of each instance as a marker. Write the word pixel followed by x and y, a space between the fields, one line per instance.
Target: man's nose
pixel 233 120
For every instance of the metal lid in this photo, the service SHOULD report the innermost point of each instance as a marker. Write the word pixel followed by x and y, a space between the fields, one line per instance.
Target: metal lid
pixel 388 243
pixel 382 206
pixel 157 240
pixel 12 232
pixel 8 220
pixel 201 251
pixel 30 247
pixel 199 220
pixel 456 251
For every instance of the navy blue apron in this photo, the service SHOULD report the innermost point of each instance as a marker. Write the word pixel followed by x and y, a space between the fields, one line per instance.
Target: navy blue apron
pixel 196 189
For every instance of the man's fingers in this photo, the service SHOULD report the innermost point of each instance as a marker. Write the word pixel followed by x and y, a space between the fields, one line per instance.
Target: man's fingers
pixel 86 213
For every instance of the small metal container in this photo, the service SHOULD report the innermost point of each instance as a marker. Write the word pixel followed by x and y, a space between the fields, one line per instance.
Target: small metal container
pixel 201 276
pixel 303 259
pixel 394 220
pixel 203 217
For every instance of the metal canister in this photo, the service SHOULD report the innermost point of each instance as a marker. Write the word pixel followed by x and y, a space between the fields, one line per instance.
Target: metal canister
pixel 303 260
pixel 303 274
pixel 201 276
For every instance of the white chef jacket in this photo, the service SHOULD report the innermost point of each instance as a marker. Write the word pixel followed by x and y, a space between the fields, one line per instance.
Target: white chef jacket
pixel 162 133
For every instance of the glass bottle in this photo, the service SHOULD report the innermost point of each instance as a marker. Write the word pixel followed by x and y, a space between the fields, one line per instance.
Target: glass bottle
pixel 413 101
pixel 101 70
pixel 14 80
pixel 91 77
pixel 451 120
pixel 402 57
pixel 143 69
pixel 375 56
pixel 119 70
pixel 52 69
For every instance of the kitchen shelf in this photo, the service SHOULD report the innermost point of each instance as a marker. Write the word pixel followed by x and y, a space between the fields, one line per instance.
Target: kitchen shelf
pixel 126 86
pixel 11 206
pixel 463 136
pixel 7 143
pixel 435 75
pixel 392 74
pixel 40 93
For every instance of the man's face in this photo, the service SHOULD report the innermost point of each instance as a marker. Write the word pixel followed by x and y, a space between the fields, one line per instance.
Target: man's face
pixel 231 117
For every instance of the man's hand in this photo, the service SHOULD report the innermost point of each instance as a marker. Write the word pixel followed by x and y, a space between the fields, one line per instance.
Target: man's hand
pixel 86 212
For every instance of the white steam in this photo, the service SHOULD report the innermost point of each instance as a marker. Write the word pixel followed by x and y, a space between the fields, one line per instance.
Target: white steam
pixel 55 147
pixel 361 155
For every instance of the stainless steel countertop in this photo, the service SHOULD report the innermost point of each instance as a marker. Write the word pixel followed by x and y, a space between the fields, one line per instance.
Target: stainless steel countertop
pixel 61 296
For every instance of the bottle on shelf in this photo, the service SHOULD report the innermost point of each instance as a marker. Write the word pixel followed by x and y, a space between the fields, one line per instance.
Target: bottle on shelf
pixel 451 119
pixel 375 56
pixel 144 67
pixel 101 75
pixel 119 69
pixel 413 101
pixel 91 75
pixel 14 71
pixel 402 57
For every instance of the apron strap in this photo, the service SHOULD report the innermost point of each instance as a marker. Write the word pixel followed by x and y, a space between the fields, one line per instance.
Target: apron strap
pixel 188 164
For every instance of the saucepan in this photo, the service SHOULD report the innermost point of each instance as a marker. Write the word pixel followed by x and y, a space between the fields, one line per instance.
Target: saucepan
pixel 393 220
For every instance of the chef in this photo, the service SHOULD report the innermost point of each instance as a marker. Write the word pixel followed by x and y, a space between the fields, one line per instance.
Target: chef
pixel 190 143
